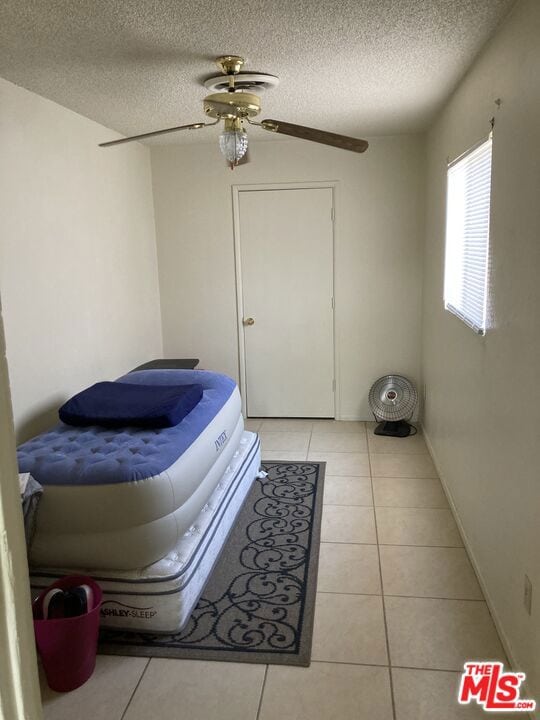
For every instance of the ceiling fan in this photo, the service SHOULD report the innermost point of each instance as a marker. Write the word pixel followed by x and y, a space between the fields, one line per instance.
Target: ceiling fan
pixel 237 105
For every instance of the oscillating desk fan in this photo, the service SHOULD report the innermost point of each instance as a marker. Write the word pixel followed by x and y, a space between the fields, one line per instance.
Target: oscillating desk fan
pixel 392 399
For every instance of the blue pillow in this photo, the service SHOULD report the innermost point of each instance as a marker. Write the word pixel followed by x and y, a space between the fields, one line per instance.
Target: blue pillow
pixel 114 404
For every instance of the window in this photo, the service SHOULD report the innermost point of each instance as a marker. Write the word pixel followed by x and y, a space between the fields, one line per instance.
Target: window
pixel 467 236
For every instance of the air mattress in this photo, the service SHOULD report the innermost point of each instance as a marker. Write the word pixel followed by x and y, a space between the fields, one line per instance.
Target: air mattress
pixel 160 598
pixel 123 499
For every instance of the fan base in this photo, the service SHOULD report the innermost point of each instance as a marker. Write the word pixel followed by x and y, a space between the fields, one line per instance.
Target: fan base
pixel 399 428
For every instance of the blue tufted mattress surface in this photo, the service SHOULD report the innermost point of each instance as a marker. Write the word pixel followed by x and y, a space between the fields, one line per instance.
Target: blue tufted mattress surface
pixel 67 455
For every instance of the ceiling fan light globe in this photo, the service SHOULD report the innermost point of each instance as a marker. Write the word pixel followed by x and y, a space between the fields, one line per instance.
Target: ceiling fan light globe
pixel 233 145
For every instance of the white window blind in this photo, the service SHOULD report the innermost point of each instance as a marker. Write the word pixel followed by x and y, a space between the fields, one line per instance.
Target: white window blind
pixel 467 236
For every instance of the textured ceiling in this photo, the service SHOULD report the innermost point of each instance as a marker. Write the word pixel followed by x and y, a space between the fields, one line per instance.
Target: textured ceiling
pixel 358 67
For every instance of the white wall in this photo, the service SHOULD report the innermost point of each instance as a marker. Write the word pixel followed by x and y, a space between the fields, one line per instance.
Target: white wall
pixel 483 396
pixel 378 252
pixel 78 269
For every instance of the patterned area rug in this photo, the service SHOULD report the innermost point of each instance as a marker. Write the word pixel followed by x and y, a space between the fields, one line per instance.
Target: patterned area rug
pixel 259 602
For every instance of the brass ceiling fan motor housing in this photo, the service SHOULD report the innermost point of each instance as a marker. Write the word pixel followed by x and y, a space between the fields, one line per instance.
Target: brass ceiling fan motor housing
pixel 232 105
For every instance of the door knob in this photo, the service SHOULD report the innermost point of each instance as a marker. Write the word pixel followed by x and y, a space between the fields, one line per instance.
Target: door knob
pixel 248 321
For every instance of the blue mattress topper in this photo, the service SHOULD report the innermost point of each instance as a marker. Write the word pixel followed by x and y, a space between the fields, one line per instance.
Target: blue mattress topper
pixel 94 455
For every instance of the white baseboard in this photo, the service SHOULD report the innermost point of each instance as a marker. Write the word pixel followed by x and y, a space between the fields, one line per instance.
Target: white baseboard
pixel 468 549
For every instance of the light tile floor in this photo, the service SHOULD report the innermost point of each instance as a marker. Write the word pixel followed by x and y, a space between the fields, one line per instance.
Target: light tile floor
pixel 398 606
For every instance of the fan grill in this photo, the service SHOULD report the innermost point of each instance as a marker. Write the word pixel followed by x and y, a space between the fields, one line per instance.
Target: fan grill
pixel 393 398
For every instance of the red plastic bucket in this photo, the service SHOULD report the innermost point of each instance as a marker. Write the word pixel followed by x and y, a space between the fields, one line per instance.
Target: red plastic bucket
pixel 68 646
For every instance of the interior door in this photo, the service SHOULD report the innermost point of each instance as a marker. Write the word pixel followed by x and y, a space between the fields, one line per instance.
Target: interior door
pixel 287 271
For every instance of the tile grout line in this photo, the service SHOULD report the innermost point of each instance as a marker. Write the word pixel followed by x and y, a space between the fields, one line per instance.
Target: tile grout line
pixel 135 689
pixel 390 667
pixel 376 477
pixel 406 597
pixel 392 507
pixel 309 447
pixel 387 639
pixel 445 547
pixel 259 708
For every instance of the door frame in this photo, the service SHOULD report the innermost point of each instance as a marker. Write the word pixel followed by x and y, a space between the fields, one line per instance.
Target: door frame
pixel 332 185
pixel 20 697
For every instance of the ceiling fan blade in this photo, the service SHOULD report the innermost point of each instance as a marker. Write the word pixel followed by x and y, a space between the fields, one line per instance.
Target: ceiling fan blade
pixel 192 126
pixel 320 136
